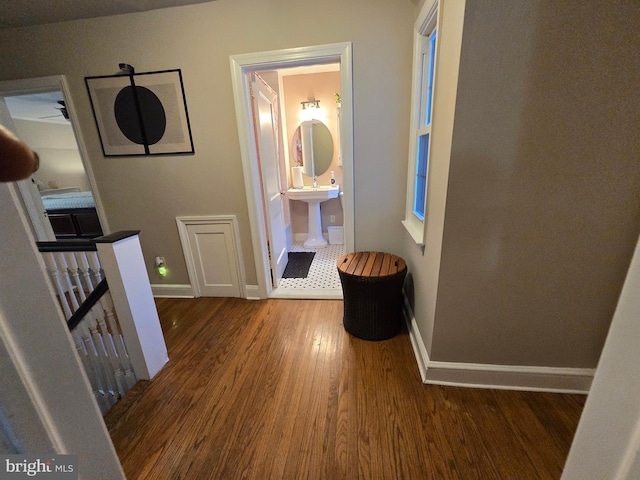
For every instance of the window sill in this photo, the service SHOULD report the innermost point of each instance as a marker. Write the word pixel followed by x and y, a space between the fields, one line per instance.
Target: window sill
pixel 417 233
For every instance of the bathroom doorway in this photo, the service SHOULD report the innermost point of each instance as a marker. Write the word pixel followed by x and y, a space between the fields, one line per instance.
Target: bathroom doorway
pixel 328 57
pixel 59 198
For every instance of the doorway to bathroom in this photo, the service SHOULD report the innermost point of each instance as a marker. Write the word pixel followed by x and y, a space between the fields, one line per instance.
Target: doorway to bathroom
pixel 277 69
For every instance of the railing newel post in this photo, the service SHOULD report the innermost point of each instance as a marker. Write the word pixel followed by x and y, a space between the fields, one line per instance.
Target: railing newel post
pixel 123 264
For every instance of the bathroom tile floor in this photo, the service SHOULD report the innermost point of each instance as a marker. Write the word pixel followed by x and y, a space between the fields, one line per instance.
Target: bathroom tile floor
pixel 321 282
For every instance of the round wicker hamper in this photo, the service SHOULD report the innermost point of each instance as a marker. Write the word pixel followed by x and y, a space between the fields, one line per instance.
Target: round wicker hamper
pixel 372 291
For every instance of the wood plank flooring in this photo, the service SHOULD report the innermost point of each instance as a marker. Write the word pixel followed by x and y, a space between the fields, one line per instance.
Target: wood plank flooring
pixel 276 389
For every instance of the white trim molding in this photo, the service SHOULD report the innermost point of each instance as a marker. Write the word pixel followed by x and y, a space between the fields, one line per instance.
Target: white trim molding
pixel 241 65
pixel 510 377
pixel 502 377
pixel 173 290
pixel 419 348
pixel 252 292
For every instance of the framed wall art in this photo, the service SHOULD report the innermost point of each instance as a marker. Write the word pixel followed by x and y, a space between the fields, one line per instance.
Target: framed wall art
pixel 141 113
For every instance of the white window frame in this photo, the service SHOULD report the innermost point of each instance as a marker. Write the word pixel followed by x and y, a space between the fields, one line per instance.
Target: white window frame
pixel 426 24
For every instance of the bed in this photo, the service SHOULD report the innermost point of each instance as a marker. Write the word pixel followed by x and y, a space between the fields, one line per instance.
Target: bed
pixel 72 213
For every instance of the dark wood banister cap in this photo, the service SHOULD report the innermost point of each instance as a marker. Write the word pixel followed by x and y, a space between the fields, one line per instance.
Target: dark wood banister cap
pixel 117 236
pixel 86 245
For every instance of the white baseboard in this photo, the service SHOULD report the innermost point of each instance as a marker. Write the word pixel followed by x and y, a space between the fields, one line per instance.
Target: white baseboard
pixel 511 377
pixel 172 290
pixel 419 348
pixel 308 294
pixel 252 292
pixel 505 377
pixel 186 291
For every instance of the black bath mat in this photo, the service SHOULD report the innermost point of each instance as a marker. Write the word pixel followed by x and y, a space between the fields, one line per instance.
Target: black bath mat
pixel 298 265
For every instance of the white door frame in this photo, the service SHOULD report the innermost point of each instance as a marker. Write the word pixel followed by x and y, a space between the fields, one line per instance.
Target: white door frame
pixel 28 86
pixel 241 66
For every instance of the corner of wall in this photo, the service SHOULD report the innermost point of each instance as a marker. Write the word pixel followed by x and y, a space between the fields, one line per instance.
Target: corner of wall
pixel 419 348
pixel 503 377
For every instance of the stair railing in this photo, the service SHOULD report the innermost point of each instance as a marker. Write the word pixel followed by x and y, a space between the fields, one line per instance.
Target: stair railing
pixel 78 279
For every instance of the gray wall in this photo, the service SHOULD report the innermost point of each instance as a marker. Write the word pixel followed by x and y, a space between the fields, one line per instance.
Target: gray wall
pixel 543 204
pixel 147 193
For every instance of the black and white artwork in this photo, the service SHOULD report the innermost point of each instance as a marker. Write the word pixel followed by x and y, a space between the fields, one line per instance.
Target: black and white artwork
pixel 141 114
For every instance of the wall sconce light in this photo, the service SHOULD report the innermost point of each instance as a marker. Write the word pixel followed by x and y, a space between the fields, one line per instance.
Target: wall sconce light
pixel 310 104
pixel 311 110
pixel 161 267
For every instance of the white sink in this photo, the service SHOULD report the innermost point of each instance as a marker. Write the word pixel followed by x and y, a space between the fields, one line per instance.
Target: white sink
pixel 314 196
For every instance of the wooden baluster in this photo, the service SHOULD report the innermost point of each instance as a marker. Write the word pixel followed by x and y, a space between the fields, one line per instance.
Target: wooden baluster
pixel 101 352
pixel 72 264
pixel 63 270
pixel 86 272
pixel 92 354
pixel 86 363
pixel 107 337
pixel 96 267
pixel 54 273
pixel 118 340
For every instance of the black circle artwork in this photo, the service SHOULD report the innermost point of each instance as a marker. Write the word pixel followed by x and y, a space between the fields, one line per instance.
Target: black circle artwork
pixel 152 112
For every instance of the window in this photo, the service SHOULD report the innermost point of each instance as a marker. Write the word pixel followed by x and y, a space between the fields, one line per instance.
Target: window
pixel 421 176
pixel 422 114
pixel 424 132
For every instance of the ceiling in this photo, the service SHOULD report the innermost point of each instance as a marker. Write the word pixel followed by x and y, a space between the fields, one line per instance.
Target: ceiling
pixel 24 13
pixel 39 107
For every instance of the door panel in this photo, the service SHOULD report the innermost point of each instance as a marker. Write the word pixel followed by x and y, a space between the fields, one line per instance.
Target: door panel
pixel 265 104
pixel 214 258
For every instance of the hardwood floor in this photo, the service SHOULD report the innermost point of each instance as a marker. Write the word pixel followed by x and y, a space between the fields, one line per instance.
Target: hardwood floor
pixel 277 389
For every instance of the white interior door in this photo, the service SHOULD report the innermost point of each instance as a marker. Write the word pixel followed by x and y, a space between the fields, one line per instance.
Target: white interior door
pixel 265 101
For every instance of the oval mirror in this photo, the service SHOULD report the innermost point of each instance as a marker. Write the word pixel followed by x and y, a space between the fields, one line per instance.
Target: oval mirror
pixel 313 147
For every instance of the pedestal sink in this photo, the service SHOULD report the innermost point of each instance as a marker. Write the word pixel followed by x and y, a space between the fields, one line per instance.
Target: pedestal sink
pixel 314 196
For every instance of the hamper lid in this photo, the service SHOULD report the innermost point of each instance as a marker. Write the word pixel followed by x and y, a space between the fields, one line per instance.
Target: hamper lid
pixel 371 264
